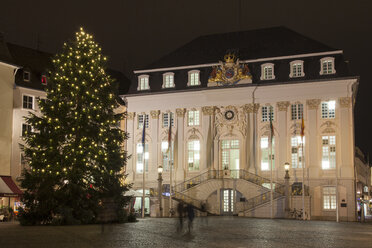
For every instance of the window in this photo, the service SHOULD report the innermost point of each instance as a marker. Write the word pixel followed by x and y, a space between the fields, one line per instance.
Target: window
pixel 26 76
pixel 44 79
pixel 328 152
pixel 140 121
pixel 28 102
pixel 168 80
pixel 166 117
pixel 297 111
pixel 328 110
pixel 193 78
pixel 26 129
pixel 193 118
pixel 230 154
pixel 165 154
pixel 267 71
pixel 193 155
pixel 297 151
pixel 143 82
pixel 141 157
pixel 327 66
pixel 265 153
pixel 267 113
pixel 329 197
pixel 297 69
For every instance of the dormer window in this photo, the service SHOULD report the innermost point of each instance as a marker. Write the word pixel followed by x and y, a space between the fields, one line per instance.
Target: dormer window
pixel 327 66
pixel 26 76
pixel 194 78
pixel 44 79
pixel 267 71
pixel 168 80
pixel 143 82
pixel 297 69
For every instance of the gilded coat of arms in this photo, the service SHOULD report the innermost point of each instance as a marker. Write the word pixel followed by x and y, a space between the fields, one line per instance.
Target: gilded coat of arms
pixel 230 72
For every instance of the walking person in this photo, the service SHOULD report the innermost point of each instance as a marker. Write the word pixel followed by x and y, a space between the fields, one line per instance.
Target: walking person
pixel 180 210
pixel 190 215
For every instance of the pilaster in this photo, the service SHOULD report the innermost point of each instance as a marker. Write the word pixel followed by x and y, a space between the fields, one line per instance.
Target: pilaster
pixel 346 137
pixel 282 138
pixel 312 161
pixel 206 161
pixel 179 165
pixel 131 167
pixel 154 157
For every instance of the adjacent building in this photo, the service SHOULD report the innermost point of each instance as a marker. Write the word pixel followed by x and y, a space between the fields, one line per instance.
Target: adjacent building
pixel 240 104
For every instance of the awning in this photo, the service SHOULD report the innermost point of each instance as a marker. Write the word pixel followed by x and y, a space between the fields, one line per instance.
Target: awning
pixel 8 188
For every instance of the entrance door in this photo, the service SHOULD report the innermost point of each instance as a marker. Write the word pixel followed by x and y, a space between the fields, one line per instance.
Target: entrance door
pixel 230 156
pixel 227 201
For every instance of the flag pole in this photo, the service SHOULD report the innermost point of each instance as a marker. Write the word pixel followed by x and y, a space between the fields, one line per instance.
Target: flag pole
pixel 170 165
pixel 143 165
pixel 303 167
pixel 271 165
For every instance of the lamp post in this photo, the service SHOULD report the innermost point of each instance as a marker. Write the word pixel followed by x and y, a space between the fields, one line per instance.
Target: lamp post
pixel 160 182
pixel 286 185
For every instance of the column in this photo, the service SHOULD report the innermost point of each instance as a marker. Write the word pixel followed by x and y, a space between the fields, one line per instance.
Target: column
pixel 130 127
pixel 179 164
pixel 208 137
pixel 311 125
pixel 250 111
pixel 154 153
pixel 346 138
pixel 281 138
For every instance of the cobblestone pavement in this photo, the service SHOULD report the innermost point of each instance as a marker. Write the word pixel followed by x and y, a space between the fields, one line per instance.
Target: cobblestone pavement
pixel 207 232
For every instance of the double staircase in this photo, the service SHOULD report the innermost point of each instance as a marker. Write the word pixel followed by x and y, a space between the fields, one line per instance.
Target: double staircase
pixel 180 190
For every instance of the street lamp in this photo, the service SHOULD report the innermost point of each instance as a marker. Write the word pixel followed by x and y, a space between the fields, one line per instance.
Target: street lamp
pixel 286 185
pixel 160 182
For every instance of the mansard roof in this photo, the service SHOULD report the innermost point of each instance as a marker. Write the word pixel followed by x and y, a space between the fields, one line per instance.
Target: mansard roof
pixel 251 44
pixel 39 62
pixel 278 46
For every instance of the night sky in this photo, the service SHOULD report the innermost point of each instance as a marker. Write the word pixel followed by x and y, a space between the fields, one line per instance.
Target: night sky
pixel 134 33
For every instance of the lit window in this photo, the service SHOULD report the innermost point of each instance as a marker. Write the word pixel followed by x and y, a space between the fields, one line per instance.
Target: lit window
pixel 28 102
pixel 297 151
pixel 267 71
pixel 143 82
pixel 193 157
pixel 193 78
pixel 26 129
pixel 297 111
pixel 328 152
pixel 193 118
pixel 329 197
pixel 265 153
pixel 142 155
pixel 166 117
pixel 44 79
pixel 141 119
pixel 267 113
pixel 328 110
pixel 297 69
pixel 327 66
pixel 168 80
pixel 26 76
pixel 165 154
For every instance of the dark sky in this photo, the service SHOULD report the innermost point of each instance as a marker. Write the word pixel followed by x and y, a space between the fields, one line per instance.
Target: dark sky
pixel 134 33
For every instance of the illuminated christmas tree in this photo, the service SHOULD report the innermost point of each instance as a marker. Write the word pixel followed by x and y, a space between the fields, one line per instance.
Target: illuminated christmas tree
pixel 75 149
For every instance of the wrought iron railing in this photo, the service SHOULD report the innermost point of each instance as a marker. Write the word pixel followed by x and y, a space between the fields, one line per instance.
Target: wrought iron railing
pixel 263 198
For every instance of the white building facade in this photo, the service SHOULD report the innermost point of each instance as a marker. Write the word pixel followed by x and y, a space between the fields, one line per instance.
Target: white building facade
pixel 223 148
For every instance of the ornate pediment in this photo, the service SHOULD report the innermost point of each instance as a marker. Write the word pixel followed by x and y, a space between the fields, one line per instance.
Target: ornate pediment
pixel 229 72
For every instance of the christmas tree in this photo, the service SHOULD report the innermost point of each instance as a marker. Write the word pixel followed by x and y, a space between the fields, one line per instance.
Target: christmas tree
pixel 75 149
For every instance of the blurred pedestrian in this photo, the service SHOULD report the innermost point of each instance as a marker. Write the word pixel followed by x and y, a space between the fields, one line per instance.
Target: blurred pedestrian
pixel 180 210
pixel 190 215
pixel 204 211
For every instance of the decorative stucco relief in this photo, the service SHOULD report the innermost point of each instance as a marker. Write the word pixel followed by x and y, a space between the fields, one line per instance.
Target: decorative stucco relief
pixel 313 103
pixel 229 119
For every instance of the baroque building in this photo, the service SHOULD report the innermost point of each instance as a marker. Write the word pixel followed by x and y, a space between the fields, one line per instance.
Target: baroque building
pixel 237 103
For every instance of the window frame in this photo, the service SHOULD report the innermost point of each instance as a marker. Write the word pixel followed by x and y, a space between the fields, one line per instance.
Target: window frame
pixel 193 151
pixel 190 81
pixel 299 111
pixel 28 129
pixel 263 72
pixel 139 122
pixel 146 78
pixel 164 124
pixel 146 163
pixel 32 101
pixel 267 112
pixel 268 153
pixel 325 111
pixel 28 78
pixel 292 73
pixel 328 72
pixel 165 75
pixel 164 153
pixel 332 207
pixel 296 157
pixel 196 118
pixel 331 148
